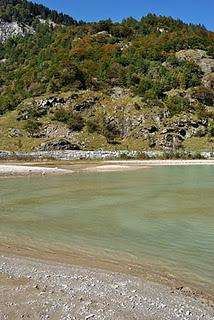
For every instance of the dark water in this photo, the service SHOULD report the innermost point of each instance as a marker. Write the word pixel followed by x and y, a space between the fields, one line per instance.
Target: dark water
pixel 163 216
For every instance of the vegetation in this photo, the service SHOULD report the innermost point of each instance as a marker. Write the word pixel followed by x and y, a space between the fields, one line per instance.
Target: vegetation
pixel 32 126
pixel 137 56
pixel 23 11
pixel 134 54
pixel 74 120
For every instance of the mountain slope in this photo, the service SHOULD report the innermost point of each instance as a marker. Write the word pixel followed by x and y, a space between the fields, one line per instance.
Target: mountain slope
pixel 20 17
pixel 141 84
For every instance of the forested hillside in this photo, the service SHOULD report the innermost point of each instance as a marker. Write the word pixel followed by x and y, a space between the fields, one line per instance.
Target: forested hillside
pixel 27 12
pixel 105 84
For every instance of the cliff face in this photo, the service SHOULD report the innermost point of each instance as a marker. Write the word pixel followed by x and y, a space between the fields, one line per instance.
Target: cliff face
pixel 13 29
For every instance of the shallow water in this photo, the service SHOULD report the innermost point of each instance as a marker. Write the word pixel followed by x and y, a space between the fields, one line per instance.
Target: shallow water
pixel 162 217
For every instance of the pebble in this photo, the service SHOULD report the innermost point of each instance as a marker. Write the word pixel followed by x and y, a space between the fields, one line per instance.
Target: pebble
pixel 101 298
pixel 188 313
pixel 90 316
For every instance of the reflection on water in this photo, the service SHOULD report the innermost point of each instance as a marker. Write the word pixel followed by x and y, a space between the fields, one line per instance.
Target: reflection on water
pixel 162 215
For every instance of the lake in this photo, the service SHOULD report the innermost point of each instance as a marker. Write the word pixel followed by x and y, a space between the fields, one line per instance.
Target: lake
pixel 161 217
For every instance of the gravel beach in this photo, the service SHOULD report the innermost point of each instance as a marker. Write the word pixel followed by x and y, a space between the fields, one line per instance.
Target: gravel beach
pixel 8 170
pixel 31 289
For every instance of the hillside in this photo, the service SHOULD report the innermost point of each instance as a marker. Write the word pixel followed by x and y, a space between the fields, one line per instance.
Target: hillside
pixel 20 17
pixel 136 84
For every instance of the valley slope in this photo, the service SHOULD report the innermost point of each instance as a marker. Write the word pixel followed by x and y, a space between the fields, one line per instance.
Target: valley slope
pixel 139 85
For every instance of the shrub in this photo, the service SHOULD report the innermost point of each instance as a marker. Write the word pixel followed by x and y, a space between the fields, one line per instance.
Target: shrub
pixel 92 125
pixel 32 126
pixel 75 122
pixel 211 128
pixel 61 115
pixel 177 105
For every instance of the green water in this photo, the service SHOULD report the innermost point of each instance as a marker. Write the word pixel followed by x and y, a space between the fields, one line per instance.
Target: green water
pixel 162 216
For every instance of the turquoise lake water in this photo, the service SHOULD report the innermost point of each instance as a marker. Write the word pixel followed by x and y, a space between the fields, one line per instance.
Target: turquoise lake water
pixel 163 216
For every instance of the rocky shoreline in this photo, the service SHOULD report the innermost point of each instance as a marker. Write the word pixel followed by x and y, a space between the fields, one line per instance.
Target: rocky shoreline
pixel 33 289
pixel 101 155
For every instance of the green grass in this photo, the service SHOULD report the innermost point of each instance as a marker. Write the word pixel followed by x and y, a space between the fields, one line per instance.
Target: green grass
pixel 199 144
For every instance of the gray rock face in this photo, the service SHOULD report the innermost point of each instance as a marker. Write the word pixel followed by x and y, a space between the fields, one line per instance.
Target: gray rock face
pixel 207 65
pixel 13 29
pixel 86 105
pixel 200 57
pixel 61 144
pixel 119 92
pixel 40 109
pixel 173 136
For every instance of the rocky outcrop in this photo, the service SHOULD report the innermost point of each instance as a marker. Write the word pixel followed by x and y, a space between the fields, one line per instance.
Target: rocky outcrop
pixel 86 105
pixel 39 108
pixel 208 81
pixel 61 144
pixel 179 130
pixel 14 132
pixel 199 57
pixel 118 92
pixel 204 95
pixel 13 29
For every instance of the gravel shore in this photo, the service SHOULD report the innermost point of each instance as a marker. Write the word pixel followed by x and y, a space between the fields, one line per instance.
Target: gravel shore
pixel 29 170
pixel 160 162
pixel 46 168
pixel 31 289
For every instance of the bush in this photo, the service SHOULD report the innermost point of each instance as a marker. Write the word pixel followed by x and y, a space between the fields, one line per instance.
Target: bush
pixel 211 128
pixel 177 105
pixel 32 126
pixel 7 103
pixel 92 125
pixel 73 119
pixel 75 122
pixel 61 115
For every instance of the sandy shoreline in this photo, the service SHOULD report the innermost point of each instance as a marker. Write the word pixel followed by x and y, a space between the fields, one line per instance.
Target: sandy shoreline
pixel 11 169
pixel 38 290
pixel 46 168
pixel 161 162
